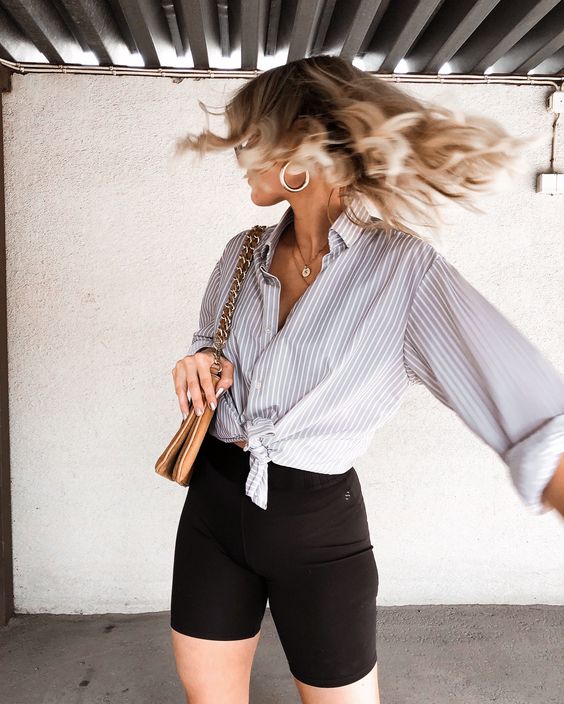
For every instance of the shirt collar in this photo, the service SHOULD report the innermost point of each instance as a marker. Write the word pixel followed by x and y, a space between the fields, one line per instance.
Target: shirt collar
pixel 345 228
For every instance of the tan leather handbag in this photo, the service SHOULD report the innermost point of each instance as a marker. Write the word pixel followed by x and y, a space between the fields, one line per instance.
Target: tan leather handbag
pixel 177 461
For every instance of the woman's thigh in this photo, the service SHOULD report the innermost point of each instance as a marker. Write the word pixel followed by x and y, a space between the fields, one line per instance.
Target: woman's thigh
pixel 214 671
pixel 322 584
pixel 214 594
pixel 217 602
pixel 326 621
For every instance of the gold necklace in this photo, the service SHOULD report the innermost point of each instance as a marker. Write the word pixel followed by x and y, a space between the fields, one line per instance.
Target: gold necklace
pixel 300 270
pixel 306 270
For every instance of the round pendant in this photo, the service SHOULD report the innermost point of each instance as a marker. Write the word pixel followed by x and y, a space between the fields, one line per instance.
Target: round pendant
pixel 306 271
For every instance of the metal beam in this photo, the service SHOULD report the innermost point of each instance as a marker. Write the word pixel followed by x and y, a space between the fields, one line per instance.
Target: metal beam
pixel 149 29
pixel 304 29
pixel 36 28
pixel 169 12
pixel 253 13
pixel 413 22
pixel 223 21
pixel 323 26
pixel 500 31
pixel 273 25
pixel 364 22
pixel 96 30
pixel 452 26
pixel 536 46
pixel 543 53
pixel 197 23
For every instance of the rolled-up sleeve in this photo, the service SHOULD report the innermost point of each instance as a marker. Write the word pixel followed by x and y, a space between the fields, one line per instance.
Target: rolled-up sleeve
pixel 203 337
pixel 462 348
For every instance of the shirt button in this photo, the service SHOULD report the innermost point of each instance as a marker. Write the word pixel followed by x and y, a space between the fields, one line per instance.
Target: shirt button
pixel 268 330
pixel 258 385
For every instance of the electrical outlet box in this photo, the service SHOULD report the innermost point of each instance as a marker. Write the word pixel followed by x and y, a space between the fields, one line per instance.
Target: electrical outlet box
pixel 556 101
pixel 551 184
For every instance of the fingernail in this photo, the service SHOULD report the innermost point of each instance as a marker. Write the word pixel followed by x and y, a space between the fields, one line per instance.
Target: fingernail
pixel 218 392
pixel 199 411
pixel 212 406
pixel 184 415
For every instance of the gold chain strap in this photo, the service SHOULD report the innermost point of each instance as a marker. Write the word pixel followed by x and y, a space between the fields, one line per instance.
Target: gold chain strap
pixel 245 256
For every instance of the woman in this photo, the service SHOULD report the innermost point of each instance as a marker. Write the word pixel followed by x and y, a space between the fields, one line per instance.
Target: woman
pixel 338 314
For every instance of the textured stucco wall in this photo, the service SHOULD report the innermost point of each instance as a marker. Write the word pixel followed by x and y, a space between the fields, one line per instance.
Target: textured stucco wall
pixel 110 243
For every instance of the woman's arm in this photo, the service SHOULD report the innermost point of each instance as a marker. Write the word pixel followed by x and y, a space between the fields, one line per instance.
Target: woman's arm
pixel 210 306
pixel 469 355
pixel 203 337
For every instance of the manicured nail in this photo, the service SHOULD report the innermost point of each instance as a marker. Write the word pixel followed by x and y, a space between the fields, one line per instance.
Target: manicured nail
pixel 218 392
pixel 184 415
pixel 199 411
pixel 212 406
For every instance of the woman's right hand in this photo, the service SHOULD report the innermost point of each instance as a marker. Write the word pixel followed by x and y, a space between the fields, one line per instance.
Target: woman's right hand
pixel 192 375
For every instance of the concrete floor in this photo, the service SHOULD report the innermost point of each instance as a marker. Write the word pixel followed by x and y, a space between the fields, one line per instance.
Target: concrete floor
pixel 427 654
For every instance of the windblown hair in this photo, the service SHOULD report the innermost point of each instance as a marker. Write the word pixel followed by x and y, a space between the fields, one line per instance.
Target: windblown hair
pixel 365 136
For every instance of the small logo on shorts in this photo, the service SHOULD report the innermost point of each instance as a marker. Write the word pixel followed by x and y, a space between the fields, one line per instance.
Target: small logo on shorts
pixel 347 495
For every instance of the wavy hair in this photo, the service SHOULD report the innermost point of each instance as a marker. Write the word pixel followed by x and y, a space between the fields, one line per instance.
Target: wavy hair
pixel 367 137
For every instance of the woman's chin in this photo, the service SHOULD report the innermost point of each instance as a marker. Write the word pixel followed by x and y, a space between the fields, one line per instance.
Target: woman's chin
pixel 260 198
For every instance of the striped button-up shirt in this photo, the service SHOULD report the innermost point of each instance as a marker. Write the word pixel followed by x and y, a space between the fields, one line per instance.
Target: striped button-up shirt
pixel 385 311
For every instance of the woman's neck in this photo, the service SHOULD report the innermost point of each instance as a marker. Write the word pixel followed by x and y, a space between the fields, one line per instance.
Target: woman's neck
pixel 310 227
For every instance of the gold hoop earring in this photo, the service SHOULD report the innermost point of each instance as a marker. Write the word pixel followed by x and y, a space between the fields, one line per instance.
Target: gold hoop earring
pixel 288 187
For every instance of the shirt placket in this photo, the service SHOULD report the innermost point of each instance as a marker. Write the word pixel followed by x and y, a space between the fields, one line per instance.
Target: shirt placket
pixel 259 430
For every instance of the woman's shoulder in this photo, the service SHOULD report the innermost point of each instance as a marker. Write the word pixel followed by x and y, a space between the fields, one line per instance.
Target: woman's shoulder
pixel 234 244
pixel 410 252
pixel 233 247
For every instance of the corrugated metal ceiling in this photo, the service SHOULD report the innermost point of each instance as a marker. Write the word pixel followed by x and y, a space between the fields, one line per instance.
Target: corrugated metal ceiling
pixel 471 37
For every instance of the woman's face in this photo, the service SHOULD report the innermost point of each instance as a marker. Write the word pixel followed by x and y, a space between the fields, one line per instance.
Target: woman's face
pixel 266 188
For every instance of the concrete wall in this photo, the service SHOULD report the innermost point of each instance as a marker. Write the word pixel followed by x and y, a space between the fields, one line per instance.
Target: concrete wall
pixel 110 243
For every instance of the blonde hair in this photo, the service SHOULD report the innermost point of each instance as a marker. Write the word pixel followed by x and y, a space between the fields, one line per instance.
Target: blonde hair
pixel 367 137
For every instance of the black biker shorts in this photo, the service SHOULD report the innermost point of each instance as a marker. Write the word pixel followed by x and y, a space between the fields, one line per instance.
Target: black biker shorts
pixel 309 553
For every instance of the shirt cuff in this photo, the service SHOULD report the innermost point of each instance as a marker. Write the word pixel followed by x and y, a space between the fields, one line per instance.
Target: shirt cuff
pixel 533 461
pixel 200 344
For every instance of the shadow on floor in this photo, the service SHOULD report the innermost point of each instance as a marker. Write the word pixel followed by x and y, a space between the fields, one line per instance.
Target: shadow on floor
pixel 426 655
